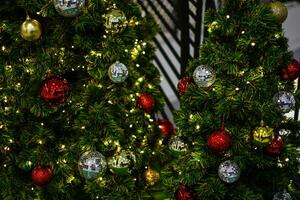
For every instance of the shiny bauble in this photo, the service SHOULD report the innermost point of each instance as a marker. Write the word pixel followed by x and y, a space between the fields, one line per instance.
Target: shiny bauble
pixel 183 84
pixel 284 101
pixel 184 193
pixel 122 162
pixel 55 90
pixel 41 175
pixel 229 171
pixel 151 177
pixel 275 147
pixel 293 69
pixel 204 76
pixel 282 196
pixel 262 135
pixel 118 72
pixel 166 128
pixel 31 29
pixel 219 141
pixel 177 145
pixel 115 21
pixel 69 8
pixel 279 10
pixel 92 165
pixel 145 102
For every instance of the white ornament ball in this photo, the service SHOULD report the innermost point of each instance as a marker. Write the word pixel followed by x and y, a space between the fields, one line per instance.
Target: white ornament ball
pixel 92 164
pixel 68 8
pixel 285 101
pixel 118 72
pixel 229 171
pixel 204 76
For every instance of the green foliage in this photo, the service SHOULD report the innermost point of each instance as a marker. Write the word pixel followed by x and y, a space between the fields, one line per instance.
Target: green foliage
pixel 100 115
pixel 246 47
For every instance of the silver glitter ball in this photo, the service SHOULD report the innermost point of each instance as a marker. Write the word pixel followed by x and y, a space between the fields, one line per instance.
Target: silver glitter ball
pixel 282 196
pixel 204 76
pixel 68 8
pixel 92 164
pixel 229 171
pixel 285 101
pixel 118 72
pixel 122 162
pixel 177 144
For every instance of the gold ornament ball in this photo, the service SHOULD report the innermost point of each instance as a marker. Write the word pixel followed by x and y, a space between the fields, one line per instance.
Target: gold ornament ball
pixel 279 10
pixel 115 21
pixel 263 135
pixel 151 177
pixel 31 29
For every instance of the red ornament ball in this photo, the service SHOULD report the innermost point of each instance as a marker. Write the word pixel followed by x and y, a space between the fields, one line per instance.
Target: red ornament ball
pixel 184 193
pixel 276 146
pixel 41 175
pixel 55 90
pixel 293 69
pixel 183 84
pixel 166 128
pixel 219 141
pixel 146 102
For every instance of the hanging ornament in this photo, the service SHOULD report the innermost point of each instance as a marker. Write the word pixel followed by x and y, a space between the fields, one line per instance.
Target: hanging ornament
pixel 177 145
pixel 115 21
pixel 282 196
pixel 151 177
pixel 276 146
pixel 41 175
pixel 146 102
pixel 229 171
pixel 184 193
pixel 293 69
pixel 122 162
pixel 55 90
pixel 279 10
pixel 166 128
pixel 220 140
pixel 68 8
pixel 31 29
pixel 285 101
pixel 262 135
pixel 92 164
pixel 183 84
pixel 118 72
pixel 204 76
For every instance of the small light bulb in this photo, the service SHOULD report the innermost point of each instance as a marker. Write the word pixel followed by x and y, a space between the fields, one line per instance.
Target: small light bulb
pixel 198 127
pixel 253 44
pixel 237 89
pixel 42 124
pixel 227 16
pixel 243 32
pixel 83 127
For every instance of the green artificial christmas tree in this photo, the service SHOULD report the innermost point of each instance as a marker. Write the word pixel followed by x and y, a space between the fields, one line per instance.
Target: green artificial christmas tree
pixel 234 140
pixel 79 100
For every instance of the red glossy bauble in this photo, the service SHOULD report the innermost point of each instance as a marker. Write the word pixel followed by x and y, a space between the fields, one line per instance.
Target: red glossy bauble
pixel 219 141
pixel 183 84
pixel 41 175
pixel 284 74
pixel 184 193
pixel 146 102
pixel 55 90
pixel 293 69
pixel 166 128
pixel 276 146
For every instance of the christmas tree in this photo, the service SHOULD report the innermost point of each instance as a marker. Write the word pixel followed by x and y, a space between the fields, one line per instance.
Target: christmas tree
pixel 234 140
pixel 79 101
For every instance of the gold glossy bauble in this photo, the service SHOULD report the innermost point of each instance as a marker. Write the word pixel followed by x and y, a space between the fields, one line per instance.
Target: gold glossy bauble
pixel 115 21
pixel 31 29
pixel 279 10
pixel 263 135
pixel 151 177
